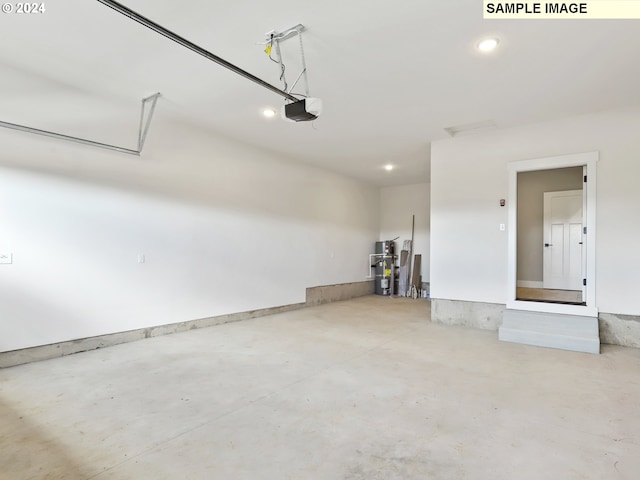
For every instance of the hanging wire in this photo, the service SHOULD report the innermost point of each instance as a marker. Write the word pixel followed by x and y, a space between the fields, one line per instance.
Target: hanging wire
pixel 280 62
pixel 269 49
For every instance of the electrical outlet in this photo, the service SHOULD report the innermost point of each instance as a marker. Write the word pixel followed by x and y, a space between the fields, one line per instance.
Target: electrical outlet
pixel 6 258
pixel 141 258
pixel 502 227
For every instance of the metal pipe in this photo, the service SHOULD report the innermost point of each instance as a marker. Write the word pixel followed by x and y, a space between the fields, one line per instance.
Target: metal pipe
pixel 289 32
pixel 304 64
pixel 193 47
pixel 380 257
pixel 70 138
pixel 392 280
pixel 141 127
pixel 142 132
pixel 142 137
pixel 369 266
pixel 296 82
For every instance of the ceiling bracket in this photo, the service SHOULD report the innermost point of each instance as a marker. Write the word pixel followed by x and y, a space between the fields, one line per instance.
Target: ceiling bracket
pixel 274 37
pixel 145 123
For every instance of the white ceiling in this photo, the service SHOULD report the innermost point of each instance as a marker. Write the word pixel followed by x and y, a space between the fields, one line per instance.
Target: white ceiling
pixel 392 75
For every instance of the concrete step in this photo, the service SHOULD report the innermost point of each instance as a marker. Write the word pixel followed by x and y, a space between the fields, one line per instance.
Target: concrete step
pixel 566 332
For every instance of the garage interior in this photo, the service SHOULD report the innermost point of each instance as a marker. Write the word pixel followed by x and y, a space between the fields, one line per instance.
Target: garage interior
pixel 192 286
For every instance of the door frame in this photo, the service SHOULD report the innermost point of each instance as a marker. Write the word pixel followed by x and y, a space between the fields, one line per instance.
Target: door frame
pixel 589 161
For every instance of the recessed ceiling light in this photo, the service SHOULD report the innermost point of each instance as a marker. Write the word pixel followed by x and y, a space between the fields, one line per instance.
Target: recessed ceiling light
pixel 269 112
pixel 388 168
pixel 488 44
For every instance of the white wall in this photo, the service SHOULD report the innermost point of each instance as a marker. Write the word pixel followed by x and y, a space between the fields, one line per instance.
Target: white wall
pixel 397 205
pixel 469 176
pixel 224 228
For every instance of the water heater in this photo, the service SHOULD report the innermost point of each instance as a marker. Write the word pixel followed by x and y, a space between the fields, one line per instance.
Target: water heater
pixel 385 267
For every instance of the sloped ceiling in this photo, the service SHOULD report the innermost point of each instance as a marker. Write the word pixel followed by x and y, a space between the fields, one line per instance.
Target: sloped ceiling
pixel 392 75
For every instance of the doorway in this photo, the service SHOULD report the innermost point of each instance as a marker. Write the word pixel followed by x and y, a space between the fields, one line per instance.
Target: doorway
pixel 552 234
pixel 549 231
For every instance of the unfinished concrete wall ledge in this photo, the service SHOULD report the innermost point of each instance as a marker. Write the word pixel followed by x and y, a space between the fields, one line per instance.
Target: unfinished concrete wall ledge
pixel 486 316
pixel 339 292
pixel 315 296
pixel 45 352
pixel 618 329
pixel 615 329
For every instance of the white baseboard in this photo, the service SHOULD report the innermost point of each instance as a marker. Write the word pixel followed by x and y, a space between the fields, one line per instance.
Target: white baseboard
pixel 528 284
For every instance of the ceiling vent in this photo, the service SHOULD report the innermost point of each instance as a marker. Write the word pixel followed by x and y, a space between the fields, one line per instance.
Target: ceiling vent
pixel 469 128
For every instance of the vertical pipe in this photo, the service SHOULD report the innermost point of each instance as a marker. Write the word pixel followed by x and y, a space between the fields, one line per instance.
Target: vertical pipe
pixel 143 134
pixel 413 224
pixel 304 64
pixel 392 281
pixel 140 127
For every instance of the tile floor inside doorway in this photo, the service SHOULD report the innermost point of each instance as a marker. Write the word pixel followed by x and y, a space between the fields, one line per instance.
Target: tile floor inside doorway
pixel 364 389
pixel 549 295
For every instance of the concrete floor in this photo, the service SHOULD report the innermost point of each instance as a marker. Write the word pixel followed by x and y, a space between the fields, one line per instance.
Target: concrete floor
pixel 364 389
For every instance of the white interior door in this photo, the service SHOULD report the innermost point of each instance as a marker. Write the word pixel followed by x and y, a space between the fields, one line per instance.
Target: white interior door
pixel 563 243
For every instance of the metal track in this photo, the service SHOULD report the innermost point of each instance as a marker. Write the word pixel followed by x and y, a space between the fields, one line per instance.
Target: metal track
pixel 127 12
pixel 70 138
pixel 142 134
